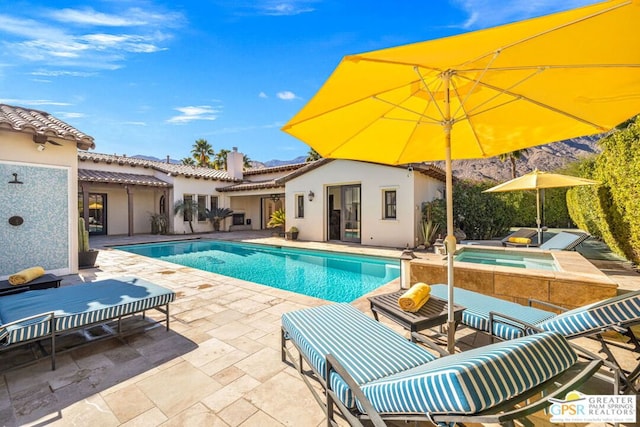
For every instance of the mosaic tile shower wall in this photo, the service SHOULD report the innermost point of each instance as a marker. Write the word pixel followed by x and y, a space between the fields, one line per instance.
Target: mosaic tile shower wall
pixel 42 202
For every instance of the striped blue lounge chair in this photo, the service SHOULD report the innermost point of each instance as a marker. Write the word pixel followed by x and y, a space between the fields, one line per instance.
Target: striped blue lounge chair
pixel 563 241
pixel 370 372
pixel 46 314
pixel 508 320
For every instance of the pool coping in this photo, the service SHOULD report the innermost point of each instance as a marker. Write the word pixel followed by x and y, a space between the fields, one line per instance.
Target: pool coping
pixel 577 282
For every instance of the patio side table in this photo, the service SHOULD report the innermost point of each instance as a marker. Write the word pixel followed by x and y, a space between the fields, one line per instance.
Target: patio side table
pixel 432 313
pixel 43 282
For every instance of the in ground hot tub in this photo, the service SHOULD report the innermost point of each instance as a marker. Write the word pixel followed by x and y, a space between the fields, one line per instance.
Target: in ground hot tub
pixel 564 278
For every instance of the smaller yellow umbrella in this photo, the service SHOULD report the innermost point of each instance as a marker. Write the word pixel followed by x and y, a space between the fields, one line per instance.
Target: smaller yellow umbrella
pixel 535 181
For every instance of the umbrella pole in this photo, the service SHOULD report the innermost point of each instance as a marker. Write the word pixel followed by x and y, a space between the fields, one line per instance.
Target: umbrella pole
pixel 450 241
pixel 538 220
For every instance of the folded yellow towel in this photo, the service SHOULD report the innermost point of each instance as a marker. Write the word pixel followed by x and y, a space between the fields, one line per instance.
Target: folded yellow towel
pixel 415 297
pixel 523 240
pixel 25 276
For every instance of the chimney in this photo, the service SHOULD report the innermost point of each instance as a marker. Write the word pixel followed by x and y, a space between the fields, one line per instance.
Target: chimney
pixel 235 163
pixel 168 160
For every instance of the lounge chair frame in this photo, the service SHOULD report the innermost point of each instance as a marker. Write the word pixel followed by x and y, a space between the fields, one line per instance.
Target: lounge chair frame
pixel 526 233
pixel 50 317
pixel 505 413
pixel 627 378
pixel 580 237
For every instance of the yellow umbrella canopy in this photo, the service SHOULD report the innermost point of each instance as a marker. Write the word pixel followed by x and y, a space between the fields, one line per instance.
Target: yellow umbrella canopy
pixel 480 94
pixel 528 83
pixel 537 180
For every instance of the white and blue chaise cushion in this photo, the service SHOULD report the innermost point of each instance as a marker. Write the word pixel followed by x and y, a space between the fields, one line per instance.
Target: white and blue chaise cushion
pixel 367 349
pixel 469 382
pixel 76 306
pixel 620 310
pixel 478 306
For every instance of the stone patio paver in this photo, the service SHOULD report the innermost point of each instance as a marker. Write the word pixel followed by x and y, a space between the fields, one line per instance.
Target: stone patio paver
pixel 219 365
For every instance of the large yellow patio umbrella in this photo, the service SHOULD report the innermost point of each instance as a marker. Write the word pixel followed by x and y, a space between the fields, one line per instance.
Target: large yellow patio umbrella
pixel 480 94
pixel 538 180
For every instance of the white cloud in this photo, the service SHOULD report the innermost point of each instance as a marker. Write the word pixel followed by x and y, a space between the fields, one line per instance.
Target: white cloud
pixel 32 102
pixel 262 95
pixel 70 115
pixel 58 73
pixel 285 8
pixel 286 95
pixel 269 7
pixel 191 113
pixel 63 38
pixel 133 17
pixel 488 13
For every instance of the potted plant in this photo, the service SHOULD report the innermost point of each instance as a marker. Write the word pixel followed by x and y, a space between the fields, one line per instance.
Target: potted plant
pixel 278 219
pixel 216 215
pixel 159 223
pixel 292 234
pixel 86 256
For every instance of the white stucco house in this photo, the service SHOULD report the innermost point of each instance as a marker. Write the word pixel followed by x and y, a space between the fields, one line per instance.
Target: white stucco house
pixel 50 180
pixel 38 191
pixel 327 200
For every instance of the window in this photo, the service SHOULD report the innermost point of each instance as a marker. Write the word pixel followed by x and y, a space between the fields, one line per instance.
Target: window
pixel 202 202
pixel 213 202
pixel 389 204
pixel 299 205
pixel 162 207
pixel 187 201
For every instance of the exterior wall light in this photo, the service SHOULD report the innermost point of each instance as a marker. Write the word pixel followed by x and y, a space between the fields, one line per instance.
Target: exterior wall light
pixel 15 179
pixel 275 198
pixel 311 196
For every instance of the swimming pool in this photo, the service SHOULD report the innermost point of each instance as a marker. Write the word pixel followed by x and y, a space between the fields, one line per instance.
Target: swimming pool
pixel 331 276
pixel 528 260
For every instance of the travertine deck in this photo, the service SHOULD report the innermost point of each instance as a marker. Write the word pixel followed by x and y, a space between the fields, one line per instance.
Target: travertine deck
pixel 218 366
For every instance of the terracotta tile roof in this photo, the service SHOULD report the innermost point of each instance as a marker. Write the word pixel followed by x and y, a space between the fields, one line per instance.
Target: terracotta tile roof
pixel 253 185
pixel 89 175
pixel 38 122
pixel 306 167
pixel 281 168
pixel 168 168
pixel 426 169
pixel 431 170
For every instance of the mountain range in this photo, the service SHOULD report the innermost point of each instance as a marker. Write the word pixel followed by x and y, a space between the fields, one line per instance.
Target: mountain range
pixel 545 157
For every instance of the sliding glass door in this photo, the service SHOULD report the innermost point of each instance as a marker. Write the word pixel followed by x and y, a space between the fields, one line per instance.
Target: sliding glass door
pixel 350 229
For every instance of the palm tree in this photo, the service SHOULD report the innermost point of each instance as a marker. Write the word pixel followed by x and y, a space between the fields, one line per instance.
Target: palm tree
pixel 246 162
pixel 186 208
pixel 220 161
pixel 202 152
pixel 188 161
pixel 218 214
pixel 312 156
pixel 512 157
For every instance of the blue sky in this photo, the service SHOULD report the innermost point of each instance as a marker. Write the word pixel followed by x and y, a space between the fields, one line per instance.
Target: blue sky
pixel 151 77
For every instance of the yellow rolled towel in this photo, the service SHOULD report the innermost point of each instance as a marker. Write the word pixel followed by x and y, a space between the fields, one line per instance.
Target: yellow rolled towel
pixel 25 276
pixel 415 297
pixel 521 240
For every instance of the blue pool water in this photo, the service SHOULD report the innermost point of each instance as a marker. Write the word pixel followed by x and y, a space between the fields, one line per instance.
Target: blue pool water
pixel 328 275
pixel 508 258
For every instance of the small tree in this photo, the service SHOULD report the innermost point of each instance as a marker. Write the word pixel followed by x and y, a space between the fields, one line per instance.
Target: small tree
pixel 187 208
pixel 278 219
pixel 216 215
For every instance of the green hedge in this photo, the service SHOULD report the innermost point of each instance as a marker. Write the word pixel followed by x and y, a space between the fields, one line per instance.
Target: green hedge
pixel 611 210
pixel 484 216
